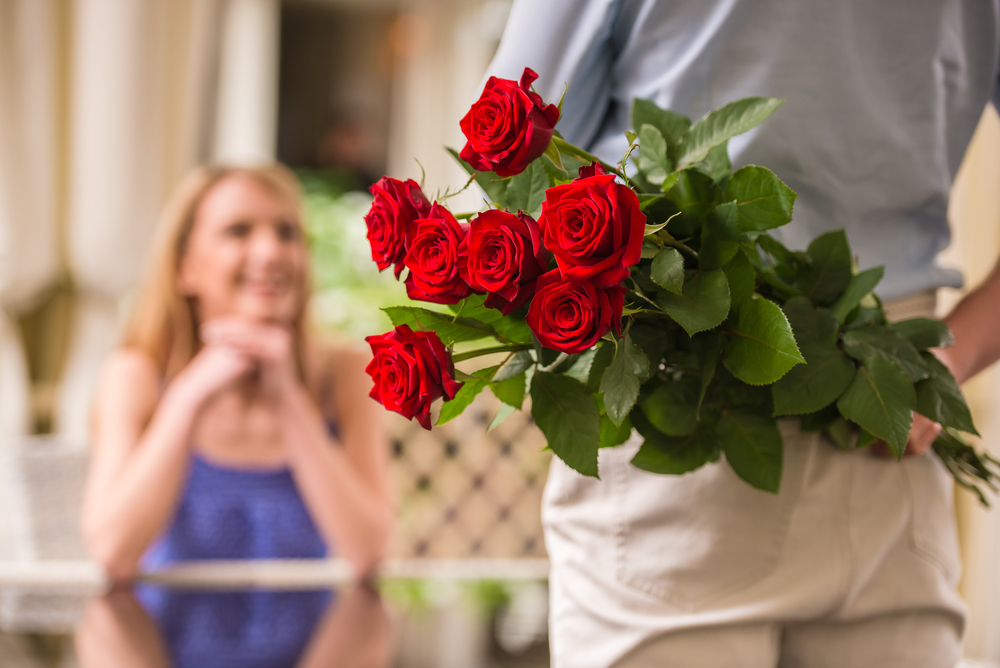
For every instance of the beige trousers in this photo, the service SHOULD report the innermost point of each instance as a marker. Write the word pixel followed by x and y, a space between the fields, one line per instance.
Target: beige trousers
pixel 854 564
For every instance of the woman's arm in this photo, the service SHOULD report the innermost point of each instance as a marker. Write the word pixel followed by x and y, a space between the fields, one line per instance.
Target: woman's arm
pixel 345 488
pixel 343 482
pixel 116 632
pixel 140 450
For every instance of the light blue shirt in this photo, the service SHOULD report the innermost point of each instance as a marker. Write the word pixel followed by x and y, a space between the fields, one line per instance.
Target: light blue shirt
pixel 882 98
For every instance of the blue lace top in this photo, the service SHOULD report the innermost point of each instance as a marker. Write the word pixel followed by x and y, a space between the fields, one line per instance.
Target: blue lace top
pixel 237 513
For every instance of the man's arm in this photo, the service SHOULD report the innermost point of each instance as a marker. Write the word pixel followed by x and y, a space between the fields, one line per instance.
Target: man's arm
pixel 975 324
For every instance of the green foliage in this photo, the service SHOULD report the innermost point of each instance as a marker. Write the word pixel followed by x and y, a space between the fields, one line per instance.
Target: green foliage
pixel 925 333
pixel 567 414
pixel 753 447
pixel 762 348
pixel 667 270
pixel 721 125
pixel 859 286
pixel 474 384
pixel 939 398
pixel 620 383
pixel 762 199
pixel 875 341
pixel 703 304
pixel 526 191
pixel 881 400
pixel 653 160
pixel 510 391
pixel 726 328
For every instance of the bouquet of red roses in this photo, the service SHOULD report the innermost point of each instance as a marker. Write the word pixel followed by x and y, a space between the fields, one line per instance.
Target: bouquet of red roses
pixel 647 295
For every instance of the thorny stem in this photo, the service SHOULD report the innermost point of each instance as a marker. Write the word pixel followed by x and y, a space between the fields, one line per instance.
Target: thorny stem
pixel 489 351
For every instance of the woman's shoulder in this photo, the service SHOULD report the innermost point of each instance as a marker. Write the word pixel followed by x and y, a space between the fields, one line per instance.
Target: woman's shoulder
pixel 337 371
pixel 130 378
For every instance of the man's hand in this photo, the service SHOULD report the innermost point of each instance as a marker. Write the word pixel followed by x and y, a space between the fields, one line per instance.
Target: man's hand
pixel 922 435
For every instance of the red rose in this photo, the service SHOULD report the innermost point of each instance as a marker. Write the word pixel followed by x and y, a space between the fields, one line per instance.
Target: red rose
pixel 505 258
pixel 593 169
pixel 594 228
pixel 397 204
pixel 508 126
pixel 434 258
pixel 570 316
pixel 411 370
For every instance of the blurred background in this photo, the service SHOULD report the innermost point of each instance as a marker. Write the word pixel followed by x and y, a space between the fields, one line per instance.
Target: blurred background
pixel 105 104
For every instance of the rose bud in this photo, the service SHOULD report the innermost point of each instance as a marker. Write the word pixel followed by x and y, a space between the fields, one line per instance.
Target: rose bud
pixel 508 126
pixel 434 258
pixel 570 316
pixel 411 370
pixel 593 169
pixel 594 228
pixel 505 258
pixel 397 204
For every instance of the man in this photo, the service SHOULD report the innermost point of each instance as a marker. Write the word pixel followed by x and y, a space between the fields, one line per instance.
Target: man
pixel 855 563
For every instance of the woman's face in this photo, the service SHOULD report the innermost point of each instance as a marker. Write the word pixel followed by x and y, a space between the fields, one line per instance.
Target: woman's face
pixel 245 255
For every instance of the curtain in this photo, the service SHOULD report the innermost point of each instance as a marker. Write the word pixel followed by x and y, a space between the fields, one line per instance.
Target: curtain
pixel 142 78
pixel 29 259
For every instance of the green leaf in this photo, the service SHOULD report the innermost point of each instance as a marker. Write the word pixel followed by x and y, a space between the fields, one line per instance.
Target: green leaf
pixel 881 400
pixel 653 229
pixel 720 237
pixel 504 412
pixel 741 277
pixel 526 191
pixel 722 124
pixel 612 434
pixel 605 353
pixel 763 348
pixel 753 447
pixel 810 324
pixel 667 270
pixel 510 391
pixel 671 125
pixel 925 333
pixel 509 328
pixel 808 388
pixel 710 352
pixel 858 287
pixel 620 384
pixel 494 186
pixel 762 199
pixel 515 366
pixel 567 414
pixel 695 194
pixel 830 272
pixel 874 340
pixel 703 304
pixel 940 399
pixel 652 158
pixel 552 153
pixel 580 368
pixel 469 391
pixel 462 329
pixel 652 340
pixel 716 164
pixel 663 454
pixel 671 408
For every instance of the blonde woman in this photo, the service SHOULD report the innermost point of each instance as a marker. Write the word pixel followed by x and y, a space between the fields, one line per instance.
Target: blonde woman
pixel 221 428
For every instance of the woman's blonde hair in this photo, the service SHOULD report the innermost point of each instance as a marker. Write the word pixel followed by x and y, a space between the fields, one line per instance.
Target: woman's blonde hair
pixel 164 322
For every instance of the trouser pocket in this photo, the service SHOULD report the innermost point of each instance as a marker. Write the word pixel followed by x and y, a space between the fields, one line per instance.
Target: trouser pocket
pixel 689 540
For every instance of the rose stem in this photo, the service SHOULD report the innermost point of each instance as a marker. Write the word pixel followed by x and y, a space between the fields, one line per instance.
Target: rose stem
pixel 489 351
